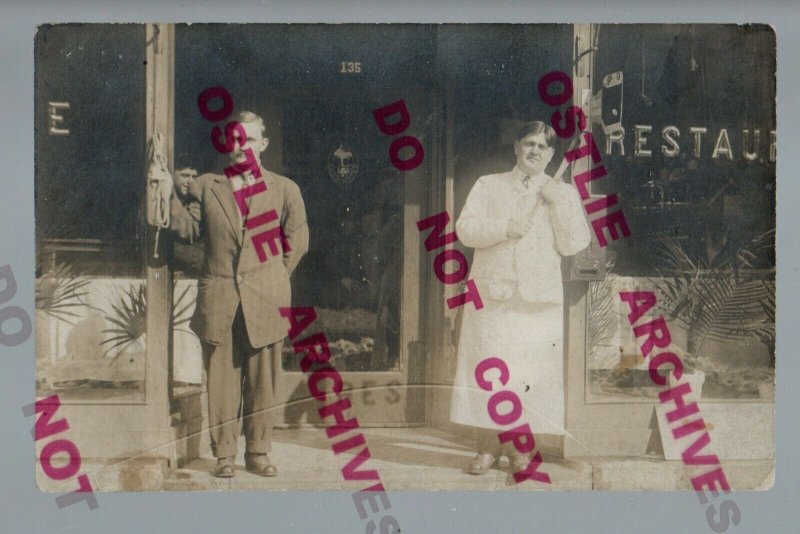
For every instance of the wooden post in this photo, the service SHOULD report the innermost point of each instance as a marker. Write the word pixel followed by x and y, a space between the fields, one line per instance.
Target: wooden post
pixel 160 98
pixel 441 321
pixel 575 324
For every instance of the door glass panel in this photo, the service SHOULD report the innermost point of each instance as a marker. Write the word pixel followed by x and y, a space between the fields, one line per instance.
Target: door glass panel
pixel 354 202
pixel 322 135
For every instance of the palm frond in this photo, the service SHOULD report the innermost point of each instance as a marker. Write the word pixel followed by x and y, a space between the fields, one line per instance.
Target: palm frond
pixel 181 307
pixel 129 314
pixel 731 299
pixel 59 291
pixel 600 316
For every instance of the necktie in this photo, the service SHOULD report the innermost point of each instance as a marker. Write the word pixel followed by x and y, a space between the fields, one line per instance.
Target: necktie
pixel 240 182
pixel 526 182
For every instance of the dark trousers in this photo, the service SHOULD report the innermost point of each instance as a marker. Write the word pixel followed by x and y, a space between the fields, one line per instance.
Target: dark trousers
pixel 239 377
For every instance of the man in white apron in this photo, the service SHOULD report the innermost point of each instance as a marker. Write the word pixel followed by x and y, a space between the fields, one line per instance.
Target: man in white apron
pixel 520 223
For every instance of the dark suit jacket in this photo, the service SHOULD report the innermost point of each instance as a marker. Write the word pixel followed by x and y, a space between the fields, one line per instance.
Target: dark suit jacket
pixel 232 273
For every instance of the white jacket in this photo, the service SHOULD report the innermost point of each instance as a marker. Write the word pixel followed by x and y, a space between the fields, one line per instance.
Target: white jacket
pixel 531 264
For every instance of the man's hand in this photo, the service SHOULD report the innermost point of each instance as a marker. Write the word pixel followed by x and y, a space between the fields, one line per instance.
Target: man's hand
pixel 518 227
pixel 549 191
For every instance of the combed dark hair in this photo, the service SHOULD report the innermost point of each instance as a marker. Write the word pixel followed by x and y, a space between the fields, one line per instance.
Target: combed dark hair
pixel 537 127
pixel 184 161
pixel 249 116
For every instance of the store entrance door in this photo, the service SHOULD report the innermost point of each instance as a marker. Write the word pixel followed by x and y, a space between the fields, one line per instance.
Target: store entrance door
pixel 361 273
pixel 316 88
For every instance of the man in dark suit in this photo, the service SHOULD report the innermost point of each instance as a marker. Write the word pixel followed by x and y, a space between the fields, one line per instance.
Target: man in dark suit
pixel 240 291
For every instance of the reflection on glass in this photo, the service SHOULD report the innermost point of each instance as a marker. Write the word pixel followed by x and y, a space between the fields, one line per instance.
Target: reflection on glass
pixel 722 328
pixel 90 295
pixel 352 272
pixel 702 219
pixel 91 334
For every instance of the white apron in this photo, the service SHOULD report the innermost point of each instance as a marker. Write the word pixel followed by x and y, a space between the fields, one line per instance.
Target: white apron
pixel 519 280
pixel 529 339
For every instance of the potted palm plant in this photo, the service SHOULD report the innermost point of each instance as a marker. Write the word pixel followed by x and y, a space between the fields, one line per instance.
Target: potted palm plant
pixel 129 317
pixel 726 298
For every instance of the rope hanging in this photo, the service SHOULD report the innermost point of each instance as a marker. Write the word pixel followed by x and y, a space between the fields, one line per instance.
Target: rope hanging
pixel 159 187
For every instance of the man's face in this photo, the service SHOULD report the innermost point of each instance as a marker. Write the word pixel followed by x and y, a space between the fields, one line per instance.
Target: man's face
pixel 533 154
pixel 183 179
pixel 255 142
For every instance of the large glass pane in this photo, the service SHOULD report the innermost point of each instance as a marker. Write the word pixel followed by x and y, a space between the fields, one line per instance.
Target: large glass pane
pixel 694 169
pixel 353 274
pixel 90 150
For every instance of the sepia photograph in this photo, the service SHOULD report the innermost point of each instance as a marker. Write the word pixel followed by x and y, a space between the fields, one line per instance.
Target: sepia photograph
pixel 378 257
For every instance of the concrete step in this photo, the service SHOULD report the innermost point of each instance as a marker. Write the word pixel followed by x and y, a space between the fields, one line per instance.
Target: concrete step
pixel 406 459
pixel 660 474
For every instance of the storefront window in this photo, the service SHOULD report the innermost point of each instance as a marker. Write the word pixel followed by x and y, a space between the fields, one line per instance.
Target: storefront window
pixel 694 167
pixel 90 156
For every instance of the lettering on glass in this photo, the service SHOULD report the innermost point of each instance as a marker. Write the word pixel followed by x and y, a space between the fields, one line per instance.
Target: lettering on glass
pixel 54 118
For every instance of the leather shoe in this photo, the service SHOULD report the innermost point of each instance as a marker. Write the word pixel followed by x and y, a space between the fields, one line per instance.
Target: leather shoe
pixel 225 467
pixel 519 462
pixel 481 464
pixel 259 464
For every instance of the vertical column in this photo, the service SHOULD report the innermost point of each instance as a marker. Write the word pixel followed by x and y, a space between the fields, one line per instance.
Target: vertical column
pixel 438 318
pixel 160 97
pixel 414 202
pixel 575 302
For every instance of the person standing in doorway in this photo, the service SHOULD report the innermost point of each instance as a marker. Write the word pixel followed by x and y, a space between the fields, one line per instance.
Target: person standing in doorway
pixel 520 224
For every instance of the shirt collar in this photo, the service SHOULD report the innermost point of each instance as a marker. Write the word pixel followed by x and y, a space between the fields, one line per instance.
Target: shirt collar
pixel 536 180
pixel 238 181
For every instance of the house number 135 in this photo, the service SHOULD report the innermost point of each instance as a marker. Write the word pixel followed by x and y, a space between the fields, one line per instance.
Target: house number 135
pixel 350 67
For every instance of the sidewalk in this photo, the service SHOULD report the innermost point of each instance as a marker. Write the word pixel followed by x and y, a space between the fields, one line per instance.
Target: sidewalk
pixel 406 459
pixel 421 459
pixel 428 459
